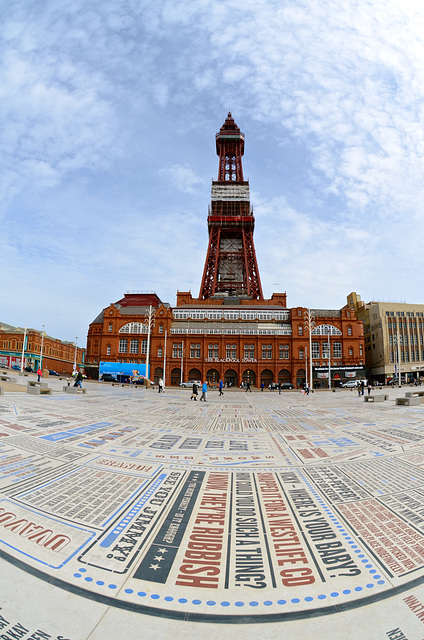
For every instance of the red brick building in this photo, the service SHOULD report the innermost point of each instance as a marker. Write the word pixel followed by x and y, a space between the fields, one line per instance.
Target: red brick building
pixel 230 332
pixel 59 355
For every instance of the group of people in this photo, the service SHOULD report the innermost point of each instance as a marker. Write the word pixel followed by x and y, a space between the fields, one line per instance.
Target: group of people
pixel 361 388
pixel 195 390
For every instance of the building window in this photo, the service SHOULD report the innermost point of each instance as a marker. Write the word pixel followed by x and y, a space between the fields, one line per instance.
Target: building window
pixel 267 351
pixel 349 331
pixel 160 352
pixel 195 351
pixel 360 349
pixel 284 352
pixel 337 350
pixel 177 350
pixel 144 346
pixel 108 350
pixel 161 328
pixel 134 346
pixel 213 351
pixel 300 354
pixel 301 331
pixel 110 327
pixel 249 351
pixel 231 351
pixel 351 351
pixel 315 350
pixel 325 350
pixel 123 345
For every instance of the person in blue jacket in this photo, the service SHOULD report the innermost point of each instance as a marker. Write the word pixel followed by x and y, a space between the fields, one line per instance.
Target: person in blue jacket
pixel 204 391
pixel 220 386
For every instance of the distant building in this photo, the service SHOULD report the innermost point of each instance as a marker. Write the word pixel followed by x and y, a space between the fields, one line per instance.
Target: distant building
pixel 230 332
pixel 58 355
pixel 391 329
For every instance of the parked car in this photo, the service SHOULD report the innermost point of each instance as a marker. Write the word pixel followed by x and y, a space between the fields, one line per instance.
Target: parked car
pixel 16 367
pixel 108 377
pixel 190 383
pixel 52 372
pixel 3 366
pixel 350 384
pixel 287 385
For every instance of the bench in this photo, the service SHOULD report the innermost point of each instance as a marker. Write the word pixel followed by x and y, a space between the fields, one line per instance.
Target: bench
pixel 408 401
pixel 4 378
pixel 69 389
pixel 414 394
pixel 381 397
pixel 36 391
pixel 35 383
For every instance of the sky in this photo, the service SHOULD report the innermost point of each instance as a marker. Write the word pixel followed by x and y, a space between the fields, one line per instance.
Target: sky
pixel 109 110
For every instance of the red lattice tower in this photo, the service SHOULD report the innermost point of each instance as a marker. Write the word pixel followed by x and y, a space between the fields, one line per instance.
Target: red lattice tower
pixel 231 267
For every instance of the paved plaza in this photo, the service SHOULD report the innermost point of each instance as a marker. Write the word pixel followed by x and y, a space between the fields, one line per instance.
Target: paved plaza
pixel 125 513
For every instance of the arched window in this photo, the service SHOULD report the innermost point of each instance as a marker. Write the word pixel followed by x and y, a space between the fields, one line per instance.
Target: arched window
pixel 325 329
pixel 133 327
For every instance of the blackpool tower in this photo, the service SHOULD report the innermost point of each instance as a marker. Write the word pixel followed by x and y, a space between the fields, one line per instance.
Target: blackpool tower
pixel 231 268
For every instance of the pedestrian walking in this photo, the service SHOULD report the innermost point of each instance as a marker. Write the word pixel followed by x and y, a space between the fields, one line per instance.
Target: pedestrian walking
pixel 248 387
pixel 204 392
pixel 39 373
pixel 369 387
pixel 194 392
pixel 78 380
pixel 220 386
pixel 362 387
pixel 160 385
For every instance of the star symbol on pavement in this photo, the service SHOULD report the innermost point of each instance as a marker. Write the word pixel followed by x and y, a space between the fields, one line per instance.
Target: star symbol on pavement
pixel 154 566
pixel 163 550
pixel 158 558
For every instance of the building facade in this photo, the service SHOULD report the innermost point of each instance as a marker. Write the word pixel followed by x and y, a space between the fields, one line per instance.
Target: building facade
pixel 230 332
pixel 37 348
pixel 393 333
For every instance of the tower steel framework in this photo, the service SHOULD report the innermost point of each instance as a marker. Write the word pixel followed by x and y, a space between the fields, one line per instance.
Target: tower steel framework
pixel 231 267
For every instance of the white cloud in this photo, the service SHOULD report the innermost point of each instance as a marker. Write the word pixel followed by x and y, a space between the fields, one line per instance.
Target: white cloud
pixel 182 177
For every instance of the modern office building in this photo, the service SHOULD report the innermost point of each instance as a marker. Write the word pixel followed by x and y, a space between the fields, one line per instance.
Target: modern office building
pixel 393 333
pixel 230 331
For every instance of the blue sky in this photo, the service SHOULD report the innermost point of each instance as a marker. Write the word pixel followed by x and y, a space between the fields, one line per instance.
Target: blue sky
pixel 107 149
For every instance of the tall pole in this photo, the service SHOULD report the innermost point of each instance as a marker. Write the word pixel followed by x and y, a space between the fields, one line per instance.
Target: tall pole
pixel 329 360
pixel 149 321
pixel 75 357
pixel 398 345
pixel 182 360
pixel 164 361
pixel 41 352
pixel 309 325
pixel 23 350
pixel 306 366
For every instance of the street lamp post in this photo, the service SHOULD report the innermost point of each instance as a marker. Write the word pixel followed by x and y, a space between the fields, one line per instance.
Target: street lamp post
pixel 41 352
pixel 23 350
pixel 164 361
pixel 329 359
pixel 182 362
pixel 149 322
pixel 397 341
pixel 309 325
pixel 75 356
